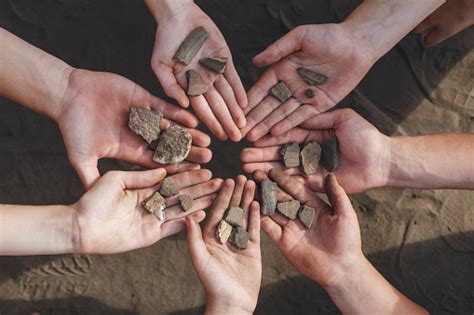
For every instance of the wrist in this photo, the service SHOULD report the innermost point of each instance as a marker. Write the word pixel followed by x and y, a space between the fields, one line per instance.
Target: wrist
pixel 161 9
pixel 216 307
pixel 401 168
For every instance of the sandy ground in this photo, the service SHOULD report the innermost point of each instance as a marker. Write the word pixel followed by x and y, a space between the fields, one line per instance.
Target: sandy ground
pixel 422 241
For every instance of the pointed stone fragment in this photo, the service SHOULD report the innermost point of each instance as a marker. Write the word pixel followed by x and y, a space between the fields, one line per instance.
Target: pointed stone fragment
pixel 289 209
pixel 216 65
pixel 330 154
pixel 173 146
pixel 268 197
pixel 191 45
pixel 234 216
pixel 311 77
pixel 223 232
pixel 155 203
pixel 281 91
pixel 186 202
pixel 169 188
pixel 310 156
pixel 145 122
pixel 239 238
pixel 291 154
pixel 196 85
pixel 306 215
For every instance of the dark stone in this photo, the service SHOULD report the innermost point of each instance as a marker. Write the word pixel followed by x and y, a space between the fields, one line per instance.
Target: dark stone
pixel 291 154
pixel 310 156
pixel 330 154
pixel 169 188
pixel 289 209
pixel 191 45
pixel 281 92
pixel 173 146
pixel 306 215
pixel 216 65
pixel 311 77
pixel 235 216
pixel 268 197
pixel 145 122
pixel 239 238
pixel 196 85
pixel 309 93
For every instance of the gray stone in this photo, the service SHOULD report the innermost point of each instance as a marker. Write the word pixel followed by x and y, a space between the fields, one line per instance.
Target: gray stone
pixel 191 45
pixel 234 216
pixel 311 77
pixel 223 232
pixel 145 123
pixel 289 209
pixel 186 202
pixel 281 91
pixel 196 85
pixel 306 215
pixel 330 154
pixel 268 197
pixel 173 146
pixel 216 65
pixel 291 154
pixel 169 188
pixel 310 156
pixel 239 238
pixel 155 203
pixel 309 93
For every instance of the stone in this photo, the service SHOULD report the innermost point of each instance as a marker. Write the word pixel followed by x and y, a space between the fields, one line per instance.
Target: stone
pixel 155 203
pixel 216 65
pixel 310 156
pixel 160 214
pixel 196 85
pixel 309 93
pixel 173 146
pixel 306 215
pixel 291 154
pixel 311 77
pixel 289 209
pixel 186 202
pixel 152 146
pixel 239 238
pixel 145 122
pixel 223 232
pixel 169 188
pixel 234 216
pixel 191 45
pixel 330 154
pixel 281 92
pixel 268 197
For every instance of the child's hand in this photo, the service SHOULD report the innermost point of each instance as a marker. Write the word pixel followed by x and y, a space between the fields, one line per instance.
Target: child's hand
pixel 110 217
pixel 231 277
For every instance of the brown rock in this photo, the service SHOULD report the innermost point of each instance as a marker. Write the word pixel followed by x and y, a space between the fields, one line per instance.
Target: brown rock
pixel 309 93
pixel 234 216
pixel 291 154
pixel 145 122
pixel 169 188
pixel 156 205
pixel 268 197
pixel 311 77
pixel 306 215
pixel 173 146
pixel 289 209
pixel 310 156
pixel 186 202
pixel 216 65
pixel 281 92
pixel 196 85
pixel 223 232
pixel 191 45
pixel 239 238
pixel 330 154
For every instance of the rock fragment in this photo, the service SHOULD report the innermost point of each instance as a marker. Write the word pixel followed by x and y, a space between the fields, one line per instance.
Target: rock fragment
pixel 223 232
pixel 234 216
pixel 196 85
pixel 330 154
pixel 145 123
pixel 216 65
pixel 268 197
pixel 310 156
pixel 169 188
pixel 291 154
pixel 306 215
pixel 311 77
pixel 289 209
pixel 309 93
pixel 281 92
pixel 191 45
pixel 156 205
pixel 173 146
pixel 186 202
pixel 239 238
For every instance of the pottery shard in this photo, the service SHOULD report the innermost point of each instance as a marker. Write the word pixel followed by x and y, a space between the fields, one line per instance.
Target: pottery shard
pixel 289 209
pixel 169 188
pixel 223 232
pixel 216 65
pixel 145 123
pixel 234 216
pixel 306 216
pixel 268 197
pixel 196 85
pixel 156 205
pixel 281 92
pixel 239 238
pixel 291 154
pixel 310 156
pixel 173 146
pixel 330 154
pixel 191 45
pixel 186 202
pixel 309 93
pixel 311 77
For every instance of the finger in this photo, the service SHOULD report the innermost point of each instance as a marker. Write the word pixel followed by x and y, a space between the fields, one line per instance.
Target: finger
pixel 196 191
pixel 440 34
pixel 205 114
pixel 196 244
pixel 423 26
pixel 259 113
pixel 233 78
pixel 141 179
pixel 176 212
pixel 267 166
pixel 200 139
pixel 174 227
pixel 255 155
pixel 300 115
pixel 219 207
pixel 254 222
pixel 280 219
pixel 238 190
pixel 260 176
pixel 169 83
pixel 180 167
pixel 219 107
pixel 225 90
pixel 260 90
pixel 87 171
pixel 298 135
pixel 273 230
pixel 199 155
pixel 248 196
pixel 174 113
pixel 329 120
pixel 337 196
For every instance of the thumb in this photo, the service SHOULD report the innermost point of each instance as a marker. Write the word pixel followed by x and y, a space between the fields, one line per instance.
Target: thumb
pixel 337 196
pixel 142 179
pixel 170 85
pixel 88 172
pixel 196 244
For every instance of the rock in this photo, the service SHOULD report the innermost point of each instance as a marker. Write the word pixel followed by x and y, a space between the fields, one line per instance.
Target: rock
pixel 268 197
pixel 160 214
pixel 169 188
pixel 281 92
pixel 289 209
pixel 309 93
pixel 156 204
pixel 186 202
pixel 306 215
pixel 173 146
pixel 145 122
pixel 310 156
pixel 330 154
pixel 234 216
pixel 196 85
pixel 239 238
pixel 223 232
pixel 191 45
pixel 216 65
pixel 311 77
pixel 291 154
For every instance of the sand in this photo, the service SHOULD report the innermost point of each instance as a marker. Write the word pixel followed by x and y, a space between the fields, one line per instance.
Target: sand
pixel 422 241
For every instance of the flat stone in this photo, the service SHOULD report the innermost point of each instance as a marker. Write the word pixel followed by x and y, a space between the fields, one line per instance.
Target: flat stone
pixel 289 209
pixel 160 214
pixel 173 146
pixel 306 215
pixel 145 122
pixel 268 197
pixel 155 203
pixel 309 93
pixel 310 156
pixel 330 154
pixel 169 188
pixel 311 77
pixel 223 232
pixel 186 202
pixel 216 65
pixel 191 45
pixel 291 154
pixel 281 91
pixel 234 216
pixel 239 238
pixel 196 85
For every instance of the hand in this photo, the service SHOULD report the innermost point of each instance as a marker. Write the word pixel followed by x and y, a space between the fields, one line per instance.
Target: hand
pixel 364 151
pixel 231 277
pixel 327 49
pixel 110 217
pixel 219 107
pixel 448 20
pixel 93 119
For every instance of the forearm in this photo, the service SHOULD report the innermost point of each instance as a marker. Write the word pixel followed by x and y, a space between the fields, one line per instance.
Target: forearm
pixel 37 230
pixel 166 8
pixel 31 76
pixel 432 162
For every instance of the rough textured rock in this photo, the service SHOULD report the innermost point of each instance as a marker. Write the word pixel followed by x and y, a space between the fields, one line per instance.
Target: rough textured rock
pixel 191 45
pixel 169 188
pixel 289 209
pixel 186 202
pixel 306 216
pixel 309 93
pixel 239 238
pixel 223 232
pixel 281 92
pixel 291 154
pixel 196 85
pixel 330 154
pixel 311 77
pixel 310 156
pixel 235 216
pixel 173 146
pixel 268 197
pixel 216 65
pixel 145 123
pixel 156 205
